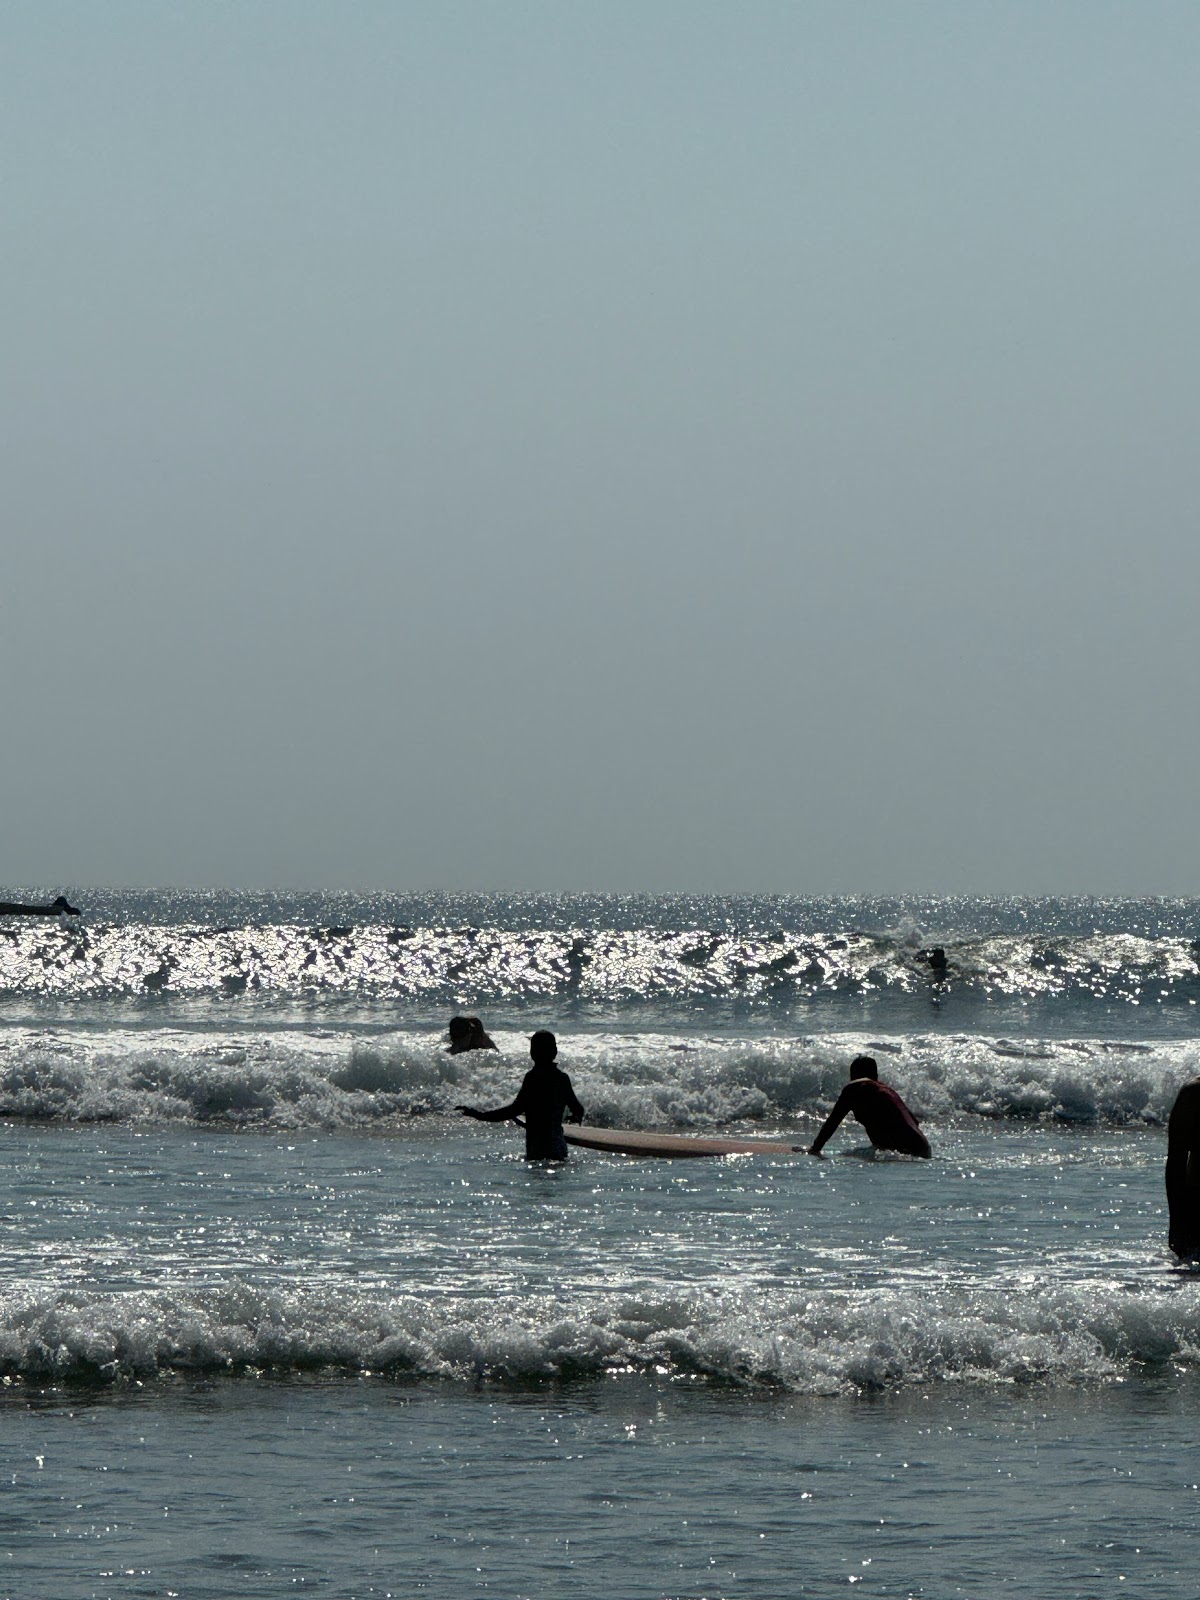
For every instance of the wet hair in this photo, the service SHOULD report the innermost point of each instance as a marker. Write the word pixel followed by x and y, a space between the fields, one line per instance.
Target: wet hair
pixel 460 1027
pixel 864 1067
pixel 543 1046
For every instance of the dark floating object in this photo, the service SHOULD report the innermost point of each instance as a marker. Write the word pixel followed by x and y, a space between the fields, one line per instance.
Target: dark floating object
pixel 468 1033
pixel 56 908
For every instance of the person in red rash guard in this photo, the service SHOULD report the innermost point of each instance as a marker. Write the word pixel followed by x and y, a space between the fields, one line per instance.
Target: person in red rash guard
pixel 889 1123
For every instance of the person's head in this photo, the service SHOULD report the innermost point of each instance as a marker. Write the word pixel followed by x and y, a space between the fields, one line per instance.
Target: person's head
pixel 864 1067
pixel 460 1030
pixel 543 1046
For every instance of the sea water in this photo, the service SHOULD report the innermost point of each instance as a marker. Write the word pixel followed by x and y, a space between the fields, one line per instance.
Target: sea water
pixel 275 1319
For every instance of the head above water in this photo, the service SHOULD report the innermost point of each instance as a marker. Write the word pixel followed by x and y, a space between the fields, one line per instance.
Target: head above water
pixel 459 1029
pixel 543 1046
pixel 864 1067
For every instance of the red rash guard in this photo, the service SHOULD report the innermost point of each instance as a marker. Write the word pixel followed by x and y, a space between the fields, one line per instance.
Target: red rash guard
pixel 890 1125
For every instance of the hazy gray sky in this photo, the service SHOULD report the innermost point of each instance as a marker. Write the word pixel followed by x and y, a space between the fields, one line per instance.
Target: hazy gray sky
pixel 613 446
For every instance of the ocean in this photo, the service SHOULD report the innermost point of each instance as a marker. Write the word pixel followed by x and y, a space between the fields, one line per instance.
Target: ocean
pixel 274 1319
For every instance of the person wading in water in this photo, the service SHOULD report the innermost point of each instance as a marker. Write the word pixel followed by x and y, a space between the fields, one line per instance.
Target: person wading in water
pixel 544 1097
pixel 889 1123
pixel 1183 1172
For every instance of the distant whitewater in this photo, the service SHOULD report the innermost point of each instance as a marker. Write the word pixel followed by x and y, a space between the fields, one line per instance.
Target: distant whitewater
pixel 670 953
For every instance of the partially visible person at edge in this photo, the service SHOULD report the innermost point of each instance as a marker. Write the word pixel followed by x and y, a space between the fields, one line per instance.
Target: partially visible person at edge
pixel 56 908
pixel 889 1123
pixel 466 1033
pixel 1183 1171
pixel 544 1097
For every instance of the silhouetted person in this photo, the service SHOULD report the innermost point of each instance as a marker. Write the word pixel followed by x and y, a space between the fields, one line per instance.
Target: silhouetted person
pixel 466 1033
pixel 890 1125
pixel 937 961
pixel 544 1097
pixel 1183 1171
pixel 57 908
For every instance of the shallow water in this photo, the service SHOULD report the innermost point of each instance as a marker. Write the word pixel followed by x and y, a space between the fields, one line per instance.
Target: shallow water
pixel 360 1489
pixel 131 1252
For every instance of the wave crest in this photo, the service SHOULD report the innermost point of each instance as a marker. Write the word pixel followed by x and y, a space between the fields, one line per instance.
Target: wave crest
pixel 830 1343
pixel 327 1080
pixel 497 964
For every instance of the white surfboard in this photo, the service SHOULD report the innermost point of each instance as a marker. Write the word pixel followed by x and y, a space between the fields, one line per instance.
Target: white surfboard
pixel 628 1142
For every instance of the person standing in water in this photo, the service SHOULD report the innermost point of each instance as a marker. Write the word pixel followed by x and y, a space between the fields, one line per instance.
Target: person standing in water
pixel 544 1097
pixel 1183 1172
pixel 889 1123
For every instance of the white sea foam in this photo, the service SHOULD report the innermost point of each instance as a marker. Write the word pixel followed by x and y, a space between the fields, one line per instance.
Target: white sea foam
pixel 331 1079
pixel 823 1343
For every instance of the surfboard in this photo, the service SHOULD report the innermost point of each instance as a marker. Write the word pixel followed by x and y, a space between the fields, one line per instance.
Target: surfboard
pixel 627 1142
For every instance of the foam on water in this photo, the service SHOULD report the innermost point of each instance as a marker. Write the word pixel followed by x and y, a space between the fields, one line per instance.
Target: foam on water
pixel 828 1342
pixel 327 1078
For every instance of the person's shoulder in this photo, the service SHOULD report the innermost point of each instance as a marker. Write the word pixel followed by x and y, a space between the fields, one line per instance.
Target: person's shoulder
pixel 875 1091
pixel 1184 1120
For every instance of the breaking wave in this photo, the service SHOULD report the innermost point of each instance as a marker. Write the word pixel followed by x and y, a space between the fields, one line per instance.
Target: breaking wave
pixel 334 1079
pixel 835 1342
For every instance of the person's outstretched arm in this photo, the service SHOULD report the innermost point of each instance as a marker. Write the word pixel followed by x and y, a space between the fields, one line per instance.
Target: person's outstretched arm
pixel 829 1126
pixel 501 1113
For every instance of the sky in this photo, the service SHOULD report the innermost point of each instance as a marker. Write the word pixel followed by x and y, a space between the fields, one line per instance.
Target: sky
pixel 619 446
